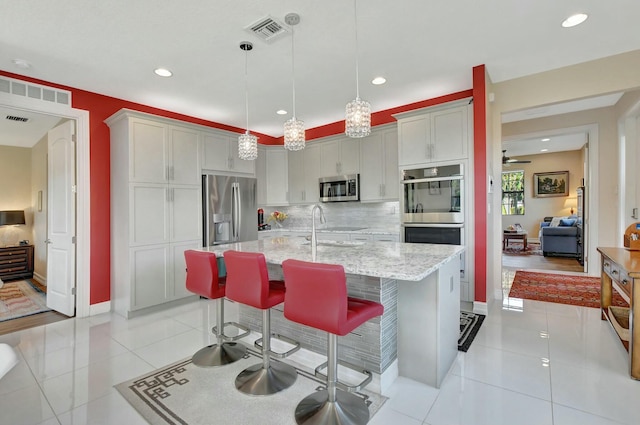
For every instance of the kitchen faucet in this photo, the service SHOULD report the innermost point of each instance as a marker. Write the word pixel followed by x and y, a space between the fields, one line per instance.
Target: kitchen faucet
pixel 314 240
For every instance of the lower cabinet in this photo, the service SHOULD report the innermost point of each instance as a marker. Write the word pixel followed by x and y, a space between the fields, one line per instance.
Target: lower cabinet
pixel 158 274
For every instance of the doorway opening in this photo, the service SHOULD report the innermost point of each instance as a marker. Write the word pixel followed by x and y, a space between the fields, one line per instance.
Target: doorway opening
pixel 78 280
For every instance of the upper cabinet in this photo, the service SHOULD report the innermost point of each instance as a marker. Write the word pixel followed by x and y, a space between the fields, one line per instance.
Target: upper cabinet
pixel 220 153
pixel 338 157
pixel 161 153
pixel 379 179
pixel 272 176
pixel 304 172
pixel 433 135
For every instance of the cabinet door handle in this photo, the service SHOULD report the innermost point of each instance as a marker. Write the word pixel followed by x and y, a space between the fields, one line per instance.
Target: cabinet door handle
pixel 624 282
pixel 606 264
pixel 614 272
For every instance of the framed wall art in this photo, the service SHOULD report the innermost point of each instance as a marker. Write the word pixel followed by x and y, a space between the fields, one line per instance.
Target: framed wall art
pixel 555 183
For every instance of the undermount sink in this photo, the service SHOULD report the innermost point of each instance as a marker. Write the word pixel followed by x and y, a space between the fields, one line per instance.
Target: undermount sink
pixel 342 244
pixel 343 228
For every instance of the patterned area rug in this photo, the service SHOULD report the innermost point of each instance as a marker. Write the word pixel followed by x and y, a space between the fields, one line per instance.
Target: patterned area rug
pixel 469 326
pixel 21 298
pixel 515 248
pixel 182 393
pixel 558 288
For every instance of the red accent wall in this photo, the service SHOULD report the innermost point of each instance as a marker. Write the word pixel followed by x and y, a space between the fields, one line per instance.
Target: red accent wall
pixel 380 117
pixel 480 180
pixel 101 107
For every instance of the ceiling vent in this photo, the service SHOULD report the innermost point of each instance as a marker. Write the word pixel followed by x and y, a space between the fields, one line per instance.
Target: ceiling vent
pixel 267 29
pixel 19 119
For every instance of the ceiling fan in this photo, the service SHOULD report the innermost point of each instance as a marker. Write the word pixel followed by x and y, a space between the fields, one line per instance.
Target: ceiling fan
pixel 507 160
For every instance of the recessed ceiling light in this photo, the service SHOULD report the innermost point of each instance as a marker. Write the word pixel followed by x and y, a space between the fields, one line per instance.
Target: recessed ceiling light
pixel 544 150
pixel 574 20
pixel 545 139
pixel 378 80
pixel 21 63
pixel 163 72
pixel 281 112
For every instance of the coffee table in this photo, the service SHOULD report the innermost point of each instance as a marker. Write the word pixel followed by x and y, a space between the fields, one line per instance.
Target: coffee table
pixel 514 235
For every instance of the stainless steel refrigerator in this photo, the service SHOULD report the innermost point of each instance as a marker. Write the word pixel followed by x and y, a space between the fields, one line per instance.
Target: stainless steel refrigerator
pixel 229 209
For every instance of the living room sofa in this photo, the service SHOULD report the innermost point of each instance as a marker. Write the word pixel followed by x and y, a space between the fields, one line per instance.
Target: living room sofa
pixel 559 236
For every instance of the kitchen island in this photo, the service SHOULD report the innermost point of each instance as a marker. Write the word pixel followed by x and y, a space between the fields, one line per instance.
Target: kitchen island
pixel 418 284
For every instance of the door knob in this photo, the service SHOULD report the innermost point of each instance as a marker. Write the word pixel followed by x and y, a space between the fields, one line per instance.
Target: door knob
pixel 48 241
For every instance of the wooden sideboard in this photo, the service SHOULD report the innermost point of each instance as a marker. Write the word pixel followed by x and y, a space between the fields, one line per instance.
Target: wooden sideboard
pixel 16 262
pixel 620 270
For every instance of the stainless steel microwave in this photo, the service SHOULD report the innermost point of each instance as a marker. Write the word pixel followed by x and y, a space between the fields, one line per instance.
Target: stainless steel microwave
pixel 340 188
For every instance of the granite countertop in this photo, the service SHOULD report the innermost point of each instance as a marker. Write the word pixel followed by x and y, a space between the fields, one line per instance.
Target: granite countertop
pixel 392 260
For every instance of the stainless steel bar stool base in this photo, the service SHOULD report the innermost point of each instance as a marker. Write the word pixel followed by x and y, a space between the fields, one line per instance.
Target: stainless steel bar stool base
pixel 219 355
pixel 316 409
pixel 256 380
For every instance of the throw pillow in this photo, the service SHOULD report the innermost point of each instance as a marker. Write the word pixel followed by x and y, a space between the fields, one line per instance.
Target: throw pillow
pixel 567 222
pixel 555 222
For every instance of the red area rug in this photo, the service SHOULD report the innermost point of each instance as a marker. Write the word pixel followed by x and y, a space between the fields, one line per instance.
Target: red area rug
pixel 559 288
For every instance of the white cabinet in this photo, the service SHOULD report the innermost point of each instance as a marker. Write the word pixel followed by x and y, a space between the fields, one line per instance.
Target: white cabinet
pixel 261 176
pixel 272 176
pixel 338 157
pixel 277 176
pixel 220 153
pixel 161 153
pixel 304 172
pixel 155 208
pixel 433 135
pixel 379 180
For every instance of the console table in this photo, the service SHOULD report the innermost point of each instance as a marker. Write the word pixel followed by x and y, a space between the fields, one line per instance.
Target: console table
pixel 620 269
pixel 16 262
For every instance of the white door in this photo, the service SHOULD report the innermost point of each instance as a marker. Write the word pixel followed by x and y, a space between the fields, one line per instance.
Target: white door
pixel 61 219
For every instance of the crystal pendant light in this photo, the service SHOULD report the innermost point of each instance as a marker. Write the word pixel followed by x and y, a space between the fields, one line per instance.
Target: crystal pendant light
pixel 294 137
pixel 358 111
pixel 247 142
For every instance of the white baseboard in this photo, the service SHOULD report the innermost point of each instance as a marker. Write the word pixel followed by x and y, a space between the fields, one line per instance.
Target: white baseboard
pixel 480 308
pixel 40 278
pixel 100 308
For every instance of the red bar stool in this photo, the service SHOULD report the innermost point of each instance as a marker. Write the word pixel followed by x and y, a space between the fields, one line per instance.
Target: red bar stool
pixel 316 296
pixel 248 283
pixel 203 280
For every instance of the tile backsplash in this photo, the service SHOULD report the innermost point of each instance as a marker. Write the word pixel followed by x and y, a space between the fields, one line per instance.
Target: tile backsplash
pixel 373 215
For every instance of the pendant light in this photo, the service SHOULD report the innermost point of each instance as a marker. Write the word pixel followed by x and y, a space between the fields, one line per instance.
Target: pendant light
pixel 294 137
pixel 247 142
pixel 358 111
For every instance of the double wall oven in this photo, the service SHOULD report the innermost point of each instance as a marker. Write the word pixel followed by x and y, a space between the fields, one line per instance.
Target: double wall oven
pixel 432 206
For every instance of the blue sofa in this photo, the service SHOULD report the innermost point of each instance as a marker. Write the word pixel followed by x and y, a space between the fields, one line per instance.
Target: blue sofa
pixel 560 239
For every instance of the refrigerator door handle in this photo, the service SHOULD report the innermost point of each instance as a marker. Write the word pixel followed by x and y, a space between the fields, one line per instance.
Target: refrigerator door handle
pixel 238 211
pixel 235 213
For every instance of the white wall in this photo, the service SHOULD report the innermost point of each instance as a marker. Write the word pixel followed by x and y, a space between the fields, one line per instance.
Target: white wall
pixel 15 191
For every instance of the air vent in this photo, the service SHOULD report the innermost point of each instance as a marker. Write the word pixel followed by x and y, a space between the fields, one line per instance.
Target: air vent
pixel 14 118
pixel 267 29
pixel 23 89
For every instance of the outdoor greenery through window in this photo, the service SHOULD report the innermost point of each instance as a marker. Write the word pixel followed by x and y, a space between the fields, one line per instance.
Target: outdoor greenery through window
pixel 513 193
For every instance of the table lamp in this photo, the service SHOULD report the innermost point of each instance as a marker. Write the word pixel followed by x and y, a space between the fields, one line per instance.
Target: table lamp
pixel 571 203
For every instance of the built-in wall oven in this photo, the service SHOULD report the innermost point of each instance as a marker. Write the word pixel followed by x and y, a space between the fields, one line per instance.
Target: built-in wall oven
pixel 432 206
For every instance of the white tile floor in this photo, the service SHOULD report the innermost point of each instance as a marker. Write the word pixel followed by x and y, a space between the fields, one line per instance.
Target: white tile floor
pixel 532 363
